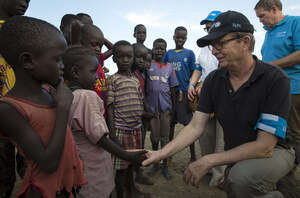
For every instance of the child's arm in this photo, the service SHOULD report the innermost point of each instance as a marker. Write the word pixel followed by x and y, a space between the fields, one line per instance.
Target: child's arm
pixel 111 147
pixel 109 46
pixel 110 124
pixel 148 113
pixel 17 127
pixel 76 28
pixel 173 98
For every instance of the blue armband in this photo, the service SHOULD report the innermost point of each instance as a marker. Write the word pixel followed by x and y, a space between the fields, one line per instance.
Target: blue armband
pixel 272 124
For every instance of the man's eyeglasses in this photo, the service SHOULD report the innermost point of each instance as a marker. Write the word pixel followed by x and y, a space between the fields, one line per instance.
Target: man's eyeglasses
pixel 219 45
pixel 206 29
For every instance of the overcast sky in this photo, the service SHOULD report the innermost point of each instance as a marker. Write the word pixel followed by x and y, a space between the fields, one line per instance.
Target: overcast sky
pixel 117 18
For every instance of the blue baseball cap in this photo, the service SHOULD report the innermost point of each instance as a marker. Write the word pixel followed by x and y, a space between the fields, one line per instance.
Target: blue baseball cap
pixel 211 17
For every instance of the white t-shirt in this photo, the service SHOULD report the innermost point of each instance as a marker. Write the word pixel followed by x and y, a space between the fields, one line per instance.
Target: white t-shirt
pixel 207 61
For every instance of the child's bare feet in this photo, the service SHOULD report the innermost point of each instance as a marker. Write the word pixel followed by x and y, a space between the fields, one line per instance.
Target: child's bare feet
pixel 153 170
pixel 137 194
pixel 166 173
pixel 143 180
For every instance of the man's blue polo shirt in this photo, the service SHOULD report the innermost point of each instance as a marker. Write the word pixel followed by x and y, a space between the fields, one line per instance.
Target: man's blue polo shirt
pixel 280 41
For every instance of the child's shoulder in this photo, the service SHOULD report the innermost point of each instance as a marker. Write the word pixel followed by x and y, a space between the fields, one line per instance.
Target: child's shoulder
pixel 86 96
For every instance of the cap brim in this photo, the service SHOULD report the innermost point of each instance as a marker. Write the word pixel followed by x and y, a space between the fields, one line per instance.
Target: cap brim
pixel 204 41
pixel 203 22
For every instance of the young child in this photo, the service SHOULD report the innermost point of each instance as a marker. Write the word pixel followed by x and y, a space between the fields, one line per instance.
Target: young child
pixel 148 60
pixel 124 111
pixel 140 33
pixel 66 26
pixel 161 96
pixel 85 18
pixel 9 9
pixel 183 62
pixel 93 38
pixel 138 68
pixel 88 124
pixel 34 117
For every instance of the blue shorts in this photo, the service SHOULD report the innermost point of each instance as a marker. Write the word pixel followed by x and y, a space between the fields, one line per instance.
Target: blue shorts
pixel 183 114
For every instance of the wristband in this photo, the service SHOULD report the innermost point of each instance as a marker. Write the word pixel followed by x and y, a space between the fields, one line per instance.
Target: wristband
pixel 191 85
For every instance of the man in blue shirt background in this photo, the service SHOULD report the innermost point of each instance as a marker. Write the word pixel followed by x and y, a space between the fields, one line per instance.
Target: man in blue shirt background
pixel 281 47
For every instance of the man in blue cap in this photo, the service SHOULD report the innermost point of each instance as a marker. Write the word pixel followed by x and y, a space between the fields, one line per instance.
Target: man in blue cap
pixel 211 141
pixel 251 100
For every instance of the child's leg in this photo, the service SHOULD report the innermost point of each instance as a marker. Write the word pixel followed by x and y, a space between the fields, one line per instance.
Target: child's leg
pixel 155 166
pixel 193 153
pixel 172 129
pixel 132 191
pixel 164 133
pixel 139 177
pixel 120 182
pixel 154 136
pixel 144 131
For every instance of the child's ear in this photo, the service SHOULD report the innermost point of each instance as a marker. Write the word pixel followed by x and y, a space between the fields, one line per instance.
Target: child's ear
pixel 26 60
pixel 75 72
pixel 114 59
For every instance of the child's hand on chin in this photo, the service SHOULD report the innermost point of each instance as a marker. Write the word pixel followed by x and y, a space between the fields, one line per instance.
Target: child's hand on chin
pixel 62 95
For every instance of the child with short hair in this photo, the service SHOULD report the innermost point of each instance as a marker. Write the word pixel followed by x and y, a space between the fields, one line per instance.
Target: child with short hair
pixel 138 70
pixel 148 60
pixel 140 33
pixel 88 125
pixel 93 38
pixel 34 117
pixel 124 111
pixel 9 9
pixel 183 62
pixel 161 96
pixel 85 18
pixel 66 26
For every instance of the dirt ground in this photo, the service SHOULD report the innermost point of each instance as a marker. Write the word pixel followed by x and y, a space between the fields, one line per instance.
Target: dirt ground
pixel 175 188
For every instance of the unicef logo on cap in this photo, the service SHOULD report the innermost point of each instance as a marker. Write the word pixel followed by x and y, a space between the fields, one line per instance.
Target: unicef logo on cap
pixel 217 24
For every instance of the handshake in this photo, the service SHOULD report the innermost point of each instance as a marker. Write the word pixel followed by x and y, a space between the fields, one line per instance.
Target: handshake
pixel 142 157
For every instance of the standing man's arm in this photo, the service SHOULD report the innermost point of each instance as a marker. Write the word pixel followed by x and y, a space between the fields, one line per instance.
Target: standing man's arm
pixel 193 81
pixel 262 147
pixel 185 137
pixel 288 61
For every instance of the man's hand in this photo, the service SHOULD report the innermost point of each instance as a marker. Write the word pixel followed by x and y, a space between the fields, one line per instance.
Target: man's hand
pixel 153 156
pixel 195 171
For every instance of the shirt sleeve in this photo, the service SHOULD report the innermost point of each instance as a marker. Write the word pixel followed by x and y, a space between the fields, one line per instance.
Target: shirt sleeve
pixel 110 90
pixel 296 33
pixel 275 113
pixel 89 114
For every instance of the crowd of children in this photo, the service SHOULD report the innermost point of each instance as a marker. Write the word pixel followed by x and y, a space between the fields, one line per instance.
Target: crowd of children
pixel 74 125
